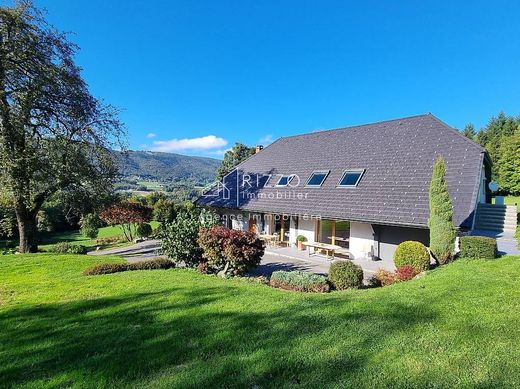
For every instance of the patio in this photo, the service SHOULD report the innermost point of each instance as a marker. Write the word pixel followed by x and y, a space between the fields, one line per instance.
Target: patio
pixel 290 258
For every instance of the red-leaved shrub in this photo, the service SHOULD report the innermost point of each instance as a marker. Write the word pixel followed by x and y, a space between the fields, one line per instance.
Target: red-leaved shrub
pixel 230 251
pixel 385 277
pixel 406 272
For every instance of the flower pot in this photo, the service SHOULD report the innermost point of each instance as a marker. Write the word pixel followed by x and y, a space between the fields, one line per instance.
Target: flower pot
pixel 301 246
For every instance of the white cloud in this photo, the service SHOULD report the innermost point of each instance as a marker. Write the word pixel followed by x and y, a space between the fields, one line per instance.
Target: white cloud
pixel 151 135
pixel 202 143
pixel 220 152
pixel 266 139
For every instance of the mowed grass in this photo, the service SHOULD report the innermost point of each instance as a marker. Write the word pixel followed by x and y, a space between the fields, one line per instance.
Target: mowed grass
pixel 458 326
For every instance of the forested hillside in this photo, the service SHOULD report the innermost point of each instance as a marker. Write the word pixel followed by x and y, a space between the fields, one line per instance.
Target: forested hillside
pixel 167 168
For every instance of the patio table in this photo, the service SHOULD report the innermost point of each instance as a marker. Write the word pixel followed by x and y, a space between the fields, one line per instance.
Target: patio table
pixel 328 248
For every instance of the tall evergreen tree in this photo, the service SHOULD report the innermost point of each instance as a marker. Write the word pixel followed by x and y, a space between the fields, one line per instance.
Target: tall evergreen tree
pixel 509 167
pixel 442 230
pixel 469 131
pixel 233 157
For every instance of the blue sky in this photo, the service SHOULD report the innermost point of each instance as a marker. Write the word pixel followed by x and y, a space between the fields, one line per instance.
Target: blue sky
pixel 195 76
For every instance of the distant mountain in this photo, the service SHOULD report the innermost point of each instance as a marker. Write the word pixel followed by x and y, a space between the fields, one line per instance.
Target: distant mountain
pixel 167 167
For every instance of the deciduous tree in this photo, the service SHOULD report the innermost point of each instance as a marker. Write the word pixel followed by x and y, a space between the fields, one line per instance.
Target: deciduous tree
pixel 54 135
pixel 128 215
pixel 233 157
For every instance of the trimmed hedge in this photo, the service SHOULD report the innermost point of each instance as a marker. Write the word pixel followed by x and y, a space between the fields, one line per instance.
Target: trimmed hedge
pixel 478 247
pixel 345 275
pixel 412 253
pixel 67 248
pixel 109 268
pixel 299 281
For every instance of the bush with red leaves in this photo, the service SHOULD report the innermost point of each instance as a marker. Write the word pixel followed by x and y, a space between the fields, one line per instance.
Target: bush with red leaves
pixel 230 252
pixel 406 272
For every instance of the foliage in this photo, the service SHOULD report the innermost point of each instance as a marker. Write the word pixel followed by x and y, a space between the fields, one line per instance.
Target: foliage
pixel 345 275
pixel 412 253
pixel 238 153
pixel 299 281
pixel 54 135
pixel 166 168
pixel 478 247
pixel 144 230
pixel 301 238
pixel 517 236
pixel 509 166
pixel 442 230
pixel 68 248
pixel 7 216
pixel 165 210
pixel 110 268
pixel 406 272
pixel 43 223
pixel 385 277
pixel 469 131
pixel 495 137
pixel 128 215
pixel 230 251
pixel 179 237
pixel 90 224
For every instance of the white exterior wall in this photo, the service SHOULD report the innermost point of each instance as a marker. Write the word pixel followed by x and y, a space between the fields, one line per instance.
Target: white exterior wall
pixel 361 239
pixel 306 228
pixel 293 232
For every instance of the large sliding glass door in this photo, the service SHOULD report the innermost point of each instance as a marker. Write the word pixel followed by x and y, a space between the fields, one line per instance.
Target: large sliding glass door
pixel 334 232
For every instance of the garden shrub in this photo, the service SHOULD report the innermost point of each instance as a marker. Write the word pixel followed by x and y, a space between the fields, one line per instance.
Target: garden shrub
pixel 67 248
pixel 109 268
pixel 110 240
pixel 442 230
pixel 90 224
pixel 345 275
pixel 412 253
pixel 144 230
pixel 478 247
pixel 406 272
pixel 385 277
pixel 151 264
pixel 179 237
pixel 299 281
pixel 231 252
pixel 106 268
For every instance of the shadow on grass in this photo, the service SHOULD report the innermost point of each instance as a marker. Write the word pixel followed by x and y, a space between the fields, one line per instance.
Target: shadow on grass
pixel 184 338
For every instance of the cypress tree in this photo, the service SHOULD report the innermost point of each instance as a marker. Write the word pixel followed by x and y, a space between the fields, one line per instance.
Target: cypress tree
pixel 442 230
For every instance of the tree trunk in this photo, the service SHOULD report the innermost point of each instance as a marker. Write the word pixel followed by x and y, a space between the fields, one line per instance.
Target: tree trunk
pixel 27 230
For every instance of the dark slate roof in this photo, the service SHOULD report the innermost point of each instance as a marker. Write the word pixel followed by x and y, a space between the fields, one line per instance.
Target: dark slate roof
pixel 397 155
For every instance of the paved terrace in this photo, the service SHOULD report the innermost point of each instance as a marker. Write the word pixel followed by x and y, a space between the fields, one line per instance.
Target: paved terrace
pixel 290 258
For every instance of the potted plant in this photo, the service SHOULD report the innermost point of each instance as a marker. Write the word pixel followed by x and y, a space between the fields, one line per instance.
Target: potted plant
pixel 300 239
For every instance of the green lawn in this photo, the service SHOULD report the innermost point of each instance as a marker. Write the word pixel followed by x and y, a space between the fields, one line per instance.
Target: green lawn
pixel 457 326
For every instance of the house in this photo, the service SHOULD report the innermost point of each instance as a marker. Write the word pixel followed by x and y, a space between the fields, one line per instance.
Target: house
pixel 365 188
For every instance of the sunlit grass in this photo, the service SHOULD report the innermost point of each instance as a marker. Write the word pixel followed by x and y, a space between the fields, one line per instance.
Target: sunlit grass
pixel 459 325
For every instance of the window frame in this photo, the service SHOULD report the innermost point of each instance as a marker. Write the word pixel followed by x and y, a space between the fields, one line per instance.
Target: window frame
pixel 289 179
pixel 326 172
pixel 345 172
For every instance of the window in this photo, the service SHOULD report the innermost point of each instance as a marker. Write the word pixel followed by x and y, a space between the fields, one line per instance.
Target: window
pixel 284 180
pixel 351 178
pixel 317 178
